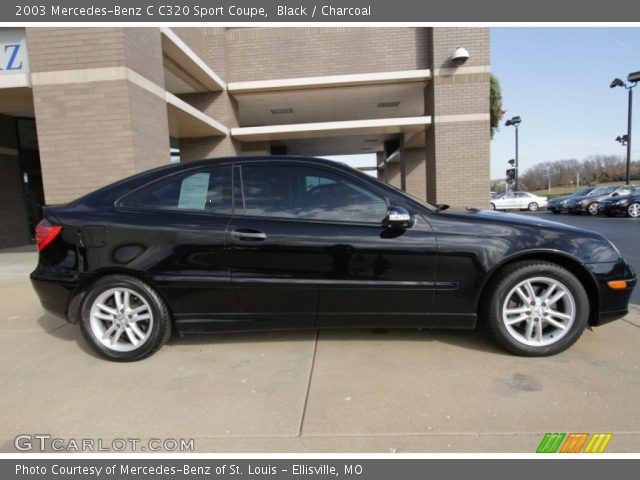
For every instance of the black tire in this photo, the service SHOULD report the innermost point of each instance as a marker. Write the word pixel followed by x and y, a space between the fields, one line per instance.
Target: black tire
pixel 592 209
pixel 533 206
pixel 511 276
pixel 493 206
pixel 555 212
pixel 159 331
pixel 633 210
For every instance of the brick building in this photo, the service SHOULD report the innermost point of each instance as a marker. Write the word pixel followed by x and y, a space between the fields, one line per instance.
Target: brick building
pixel 82 107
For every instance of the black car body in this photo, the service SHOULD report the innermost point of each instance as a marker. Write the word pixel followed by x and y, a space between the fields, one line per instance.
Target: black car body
pixel 589 203
pixel 291 242
pixel 559 204
pixel 628 205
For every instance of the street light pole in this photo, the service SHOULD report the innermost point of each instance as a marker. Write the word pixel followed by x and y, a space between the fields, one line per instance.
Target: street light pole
pixel 517 158
pixel 628 176
pixel 515 122
pixel 633 79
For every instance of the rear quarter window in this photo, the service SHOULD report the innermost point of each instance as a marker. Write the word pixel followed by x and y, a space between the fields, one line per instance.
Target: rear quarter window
pixel 206 190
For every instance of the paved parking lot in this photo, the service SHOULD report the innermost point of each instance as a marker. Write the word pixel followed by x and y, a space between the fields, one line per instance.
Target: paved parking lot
pixel 327 391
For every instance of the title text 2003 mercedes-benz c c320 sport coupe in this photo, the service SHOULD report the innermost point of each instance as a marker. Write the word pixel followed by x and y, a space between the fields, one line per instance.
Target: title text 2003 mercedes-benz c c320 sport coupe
pixel 289 242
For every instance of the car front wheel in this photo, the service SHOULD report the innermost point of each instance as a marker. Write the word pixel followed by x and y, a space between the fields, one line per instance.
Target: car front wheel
pixel 633 210
pixel 493 206
pixel 593 208
pixel 533 206
pixel 536 308
pixel 124 319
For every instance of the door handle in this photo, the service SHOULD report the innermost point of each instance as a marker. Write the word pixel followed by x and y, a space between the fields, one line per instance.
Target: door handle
pixel 249 234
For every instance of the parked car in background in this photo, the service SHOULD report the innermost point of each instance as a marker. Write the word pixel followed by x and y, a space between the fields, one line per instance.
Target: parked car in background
pixel 519 201
pixel 496 195
pixel 559 204
pixel 589 203
pixel 277 242
pixel 628 205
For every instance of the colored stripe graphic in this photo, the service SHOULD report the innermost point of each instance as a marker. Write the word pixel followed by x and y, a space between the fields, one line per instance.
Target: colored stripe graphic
pixel 574 443
pixel 598 443
pixel 550 443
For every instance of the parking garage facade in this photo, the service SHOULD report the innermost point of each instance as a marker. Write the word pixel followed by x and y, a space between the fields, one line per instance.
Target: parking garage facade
pixel 83 107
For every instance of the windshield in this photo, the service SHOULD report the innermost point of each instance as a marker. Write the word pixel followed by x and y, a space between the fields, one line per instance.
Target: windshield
pixel 601 191
pixel 583 192
pixel 626 190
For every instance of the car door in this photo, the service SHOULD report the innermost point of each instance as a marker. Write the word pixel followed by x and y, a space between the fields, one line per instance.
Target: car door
pixel 521 200
pixel 174 232
pixel 310 240
pixel 506 201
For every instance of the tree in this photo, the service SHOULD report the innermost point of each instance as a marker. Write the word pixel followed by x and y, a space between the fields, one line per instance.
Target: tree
pixel 495 105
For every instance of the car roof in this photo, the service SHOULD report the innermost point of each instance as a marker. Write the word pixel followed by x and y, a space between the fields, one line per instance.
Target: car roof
pixel 270 158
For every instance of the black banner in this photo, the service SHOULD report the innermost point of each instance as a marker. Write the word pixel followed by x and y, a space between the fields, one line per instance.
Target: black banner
pixel 23 11
pixel 360 469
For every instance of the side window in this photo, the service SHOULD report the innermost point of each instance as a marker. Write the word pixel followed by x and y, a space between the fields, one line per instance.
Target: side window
pixel 308 193
pixel 207 190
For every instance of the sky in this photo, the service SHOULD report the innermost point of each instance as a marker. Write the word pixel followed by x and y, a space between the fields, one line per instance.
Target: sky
pixel 557 80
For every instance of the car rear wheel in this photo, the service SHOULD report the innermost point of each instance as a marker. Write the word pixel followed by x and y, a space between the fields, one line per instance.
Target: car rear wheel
pixel 124 319
pixel 533 206
pixel 593 208
pixel 633 210
pixel 536 308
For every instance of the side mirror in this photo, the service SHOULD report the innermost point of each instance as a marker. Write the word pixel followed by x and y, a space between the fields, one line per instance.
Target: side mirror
pixel 441 207
pixel 399 217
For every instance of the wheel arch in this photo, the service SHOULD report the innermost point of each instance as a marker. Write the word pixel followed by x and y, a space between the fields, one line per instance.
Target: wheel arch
pixel 77 298
pixel 572 264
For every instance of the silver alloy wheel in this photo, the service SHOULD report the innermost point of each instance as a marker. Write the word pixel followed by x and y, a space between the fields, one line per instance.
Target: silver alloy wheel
pixel 533 206
pixel 120 319
pixel 593 208
pixel 538 311
pixel 634 210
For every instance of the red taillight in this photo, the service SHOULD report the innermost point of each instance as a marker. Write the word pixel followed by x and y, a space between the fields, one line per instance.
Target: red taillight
pixel 45 234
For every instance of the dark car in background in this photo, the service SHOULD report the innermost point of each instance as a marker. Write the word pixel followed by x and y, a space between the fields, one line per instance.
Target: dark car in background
pixel 628 205
pixel 589 203
pixel 291 242
pixel 559 204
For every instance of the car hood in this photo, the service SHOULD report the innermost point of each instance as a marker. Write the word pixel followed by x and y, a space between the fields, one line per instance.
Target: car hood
pixel 530 232
pixel 559 199
pixel 514 219
pixel 595 198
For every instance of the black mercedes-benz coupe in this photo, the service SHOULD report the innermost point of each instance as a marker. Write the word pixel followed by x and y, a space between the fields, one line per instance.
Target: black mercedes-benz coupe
pixel 289 242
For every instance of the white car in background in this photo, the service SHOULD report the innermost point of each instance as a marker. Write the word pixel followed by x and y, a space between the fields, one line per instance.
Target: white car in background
pixel 519 200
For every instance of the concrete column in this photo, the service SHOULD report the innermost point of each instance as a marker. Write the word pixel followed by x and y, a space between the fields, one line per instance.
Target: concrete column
pixel 381 164
pixel 99 104
pixel 457 99
pixel 415 170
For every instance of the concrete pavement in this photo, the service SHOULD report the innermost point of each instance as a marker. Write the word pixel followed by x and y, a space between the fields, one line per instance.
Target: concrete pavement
pixel 326 391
